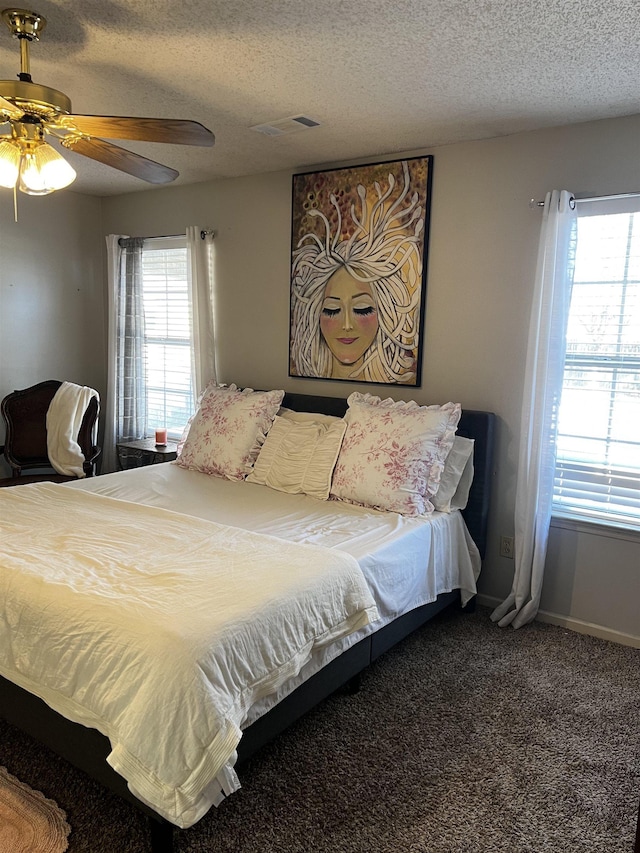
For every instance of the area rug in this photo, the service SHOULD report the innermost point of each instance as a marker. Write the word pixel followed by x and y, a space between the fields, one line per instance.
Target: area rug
pixel 29 822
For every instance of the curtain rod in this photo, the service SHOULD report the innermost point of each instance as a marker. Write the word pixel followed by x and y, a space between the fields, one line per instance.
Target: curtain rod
pixel 204 233
pixel 534 203
pixel 612 197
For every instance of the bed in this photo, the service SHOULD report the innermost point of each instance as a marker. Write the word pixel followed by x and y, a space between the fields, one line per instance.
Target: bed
pixel 438 560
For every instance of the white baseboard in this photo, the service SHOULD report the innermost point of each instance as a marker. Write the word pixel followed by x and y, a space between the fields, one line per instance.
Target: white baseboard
pixel 573 624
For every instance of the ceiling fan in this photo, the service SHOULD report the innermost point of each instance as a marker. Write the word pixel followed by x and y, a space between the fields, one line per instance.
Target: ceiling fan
pixel 34 112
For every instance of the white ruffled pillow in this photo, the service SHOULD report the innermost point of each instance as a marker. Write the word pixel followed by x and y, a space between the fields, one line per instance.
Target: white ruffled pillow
pixel 393 453
pixel 299 457
pixel 455 483
pixel 228 430
pixel 307 417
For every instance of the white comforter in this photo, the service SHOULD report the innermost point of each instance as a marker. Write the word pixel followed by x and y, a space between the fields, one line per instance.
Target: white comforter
pixel 161 630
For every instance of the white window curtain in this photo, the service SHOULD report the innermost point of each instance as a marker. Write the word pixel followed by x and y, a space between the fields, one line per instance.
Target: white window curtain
pixel 542 391
pixel 200 260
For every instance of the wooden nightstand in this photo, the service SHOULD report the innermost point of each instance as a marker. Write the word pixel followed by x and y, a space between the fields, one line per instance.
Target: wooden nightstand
pixel 136 454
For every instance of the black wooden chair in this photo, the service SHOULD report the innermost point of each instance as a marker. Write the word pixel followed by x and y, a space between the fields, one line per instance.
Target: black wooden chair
pixel 25 443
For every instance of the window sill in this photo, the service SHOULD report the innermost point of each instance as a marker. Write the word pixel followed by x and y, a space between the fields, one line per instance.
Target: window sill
pixel 596 528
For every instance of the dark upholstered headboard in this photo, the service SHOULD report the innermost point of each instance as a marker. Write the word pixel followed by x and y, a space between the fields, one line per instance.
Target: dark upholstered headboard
pixel 480 426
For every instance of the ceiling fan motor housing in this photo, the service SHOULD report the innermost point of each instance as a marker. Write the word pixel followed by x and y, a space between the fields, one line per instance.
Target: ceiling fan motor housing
pixel 34 98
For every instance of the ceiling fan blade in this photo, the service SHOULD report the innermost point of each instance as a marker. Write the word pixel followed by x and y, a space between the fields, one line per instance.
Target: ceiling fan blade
pixel 8 109
pixel 120 158
pixel 176 131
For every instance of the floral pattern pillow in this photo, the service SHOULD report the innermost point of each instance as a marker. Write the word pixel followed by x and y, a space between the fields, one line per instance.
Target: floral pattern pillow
pixel 393 453
pixel 228 430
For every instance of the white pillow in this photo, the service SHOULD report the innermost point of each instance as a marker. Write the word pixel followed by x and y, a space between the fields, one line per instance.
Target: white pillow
pixel 393 453
pixel 299 458
pixel 453 491
pixel 228 430
pixel 461 497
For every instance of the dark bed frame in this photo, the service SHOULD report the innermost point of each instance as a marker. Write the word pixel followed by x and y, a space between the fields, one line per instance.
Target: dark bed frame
pixel 87 749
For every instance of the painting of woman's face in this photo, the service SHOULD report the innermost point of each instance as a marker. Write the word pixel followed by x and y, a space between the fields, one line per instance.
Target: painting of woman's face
pixel 348 320
pixel 358 273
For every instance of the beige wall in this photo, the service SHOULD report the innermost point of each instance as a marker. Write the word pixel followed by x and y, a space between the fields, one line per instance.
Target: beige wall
pixel 51 292
pixel 481 264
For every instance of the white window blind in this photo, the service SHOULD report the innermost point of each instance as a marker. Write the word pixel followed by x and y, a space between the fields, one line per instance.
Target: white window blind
pixel 168 334
pixel 598 442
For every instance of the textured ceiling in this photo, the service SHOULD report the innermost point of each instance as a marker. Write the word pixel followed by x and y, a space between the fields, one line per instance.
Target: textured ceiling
pixel 381 76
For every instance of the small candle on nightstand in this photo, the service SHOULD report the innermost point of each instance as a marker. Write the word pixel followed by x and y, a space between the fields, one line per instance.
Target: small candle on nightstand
pixel 161 437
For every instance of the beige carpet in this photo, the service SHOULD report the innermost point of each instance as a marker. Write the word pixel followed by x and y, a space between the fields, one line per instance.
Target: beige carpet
pixel 29 822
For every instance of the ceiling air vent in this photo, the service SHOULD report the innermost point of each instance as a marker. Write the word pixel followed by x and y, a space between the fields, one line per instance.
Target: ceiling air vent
pixel 292 124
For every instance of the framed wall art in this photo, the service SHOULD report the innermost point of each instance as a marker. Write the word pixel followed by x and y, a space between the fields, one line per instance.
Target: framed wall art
pixel 359 246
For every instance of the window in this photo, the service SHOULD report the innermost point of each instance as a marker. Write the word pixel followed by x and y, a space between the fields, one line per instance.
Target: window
pixel 598 442
pixel 167 334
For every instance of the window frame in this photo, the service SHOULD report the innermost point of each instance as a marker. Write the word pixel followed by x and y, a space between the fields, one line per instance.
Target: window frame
pixel 609 478
pixel 151 244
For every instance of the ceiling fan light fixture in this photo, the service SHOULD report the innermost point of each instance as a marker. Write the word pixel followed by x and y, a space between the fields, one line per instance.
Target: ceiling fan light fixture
pixel 33 110
pixel 9 163
pixel 43 170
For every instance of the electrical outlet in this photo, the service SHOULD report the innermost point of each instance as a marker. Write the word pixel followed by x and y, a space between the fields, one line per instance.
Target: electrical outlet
pixel 506 547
